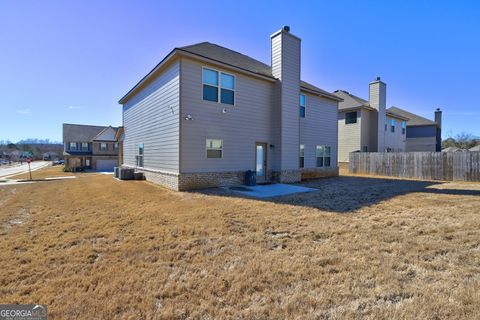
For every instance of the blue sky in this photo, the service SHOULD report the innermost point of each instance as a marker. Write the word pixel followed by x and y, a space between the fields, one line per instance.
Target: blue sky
pixel 71 61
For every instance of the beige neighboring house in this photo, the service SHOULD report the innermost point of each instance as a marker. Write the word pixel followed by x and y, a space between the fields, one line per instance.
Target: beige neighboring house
pixel 368 126
pixel 90 147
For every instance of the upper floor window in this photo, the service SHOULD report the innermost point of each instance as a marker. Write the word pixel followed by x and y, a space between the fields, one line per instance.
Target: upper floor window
pixel 351 117
pixel 214 148
pixel 324 156
pixel 302 156
pixel 303 104
pixel 218 86
pixel 404 127
pixel 103 146
pixel 115 146
pixel 392 124
pixel 84 146
pixel 72 146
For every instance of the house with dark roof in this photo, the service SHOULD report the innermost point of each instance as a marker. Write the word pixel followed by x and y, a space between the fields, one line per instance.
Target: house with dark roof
pixel 207 114
pixel 367 125
pixel 90 147
pixel 422 134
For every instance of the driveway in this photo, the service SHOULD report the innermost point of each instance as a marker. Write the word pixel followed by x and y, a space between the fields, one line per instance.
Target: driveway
pixel 10 171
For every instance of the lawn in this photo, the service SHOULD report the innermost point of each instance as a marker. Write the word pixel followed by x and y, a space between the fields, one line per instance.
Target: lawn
pixel 98 248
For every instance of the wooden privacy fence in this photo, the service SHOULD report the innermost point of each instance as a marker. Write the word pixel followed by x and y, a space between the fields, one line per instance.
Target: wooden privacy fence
pixel 449 166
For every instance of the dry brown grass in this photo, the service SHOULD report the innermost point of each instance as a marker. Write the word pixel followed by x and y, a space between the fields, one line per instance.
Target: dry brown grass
pixel 48 172
pixel 98 248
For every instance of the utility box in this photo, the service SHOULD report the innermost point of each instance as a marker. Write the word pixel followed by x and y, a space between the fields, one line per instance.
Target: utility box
pixel 126 174
pixel 250 178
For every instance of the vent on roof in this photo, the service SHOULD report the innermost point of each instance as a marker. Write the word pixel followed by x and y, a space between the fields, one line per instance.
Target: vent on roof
pixel 286 28
pixel 377 79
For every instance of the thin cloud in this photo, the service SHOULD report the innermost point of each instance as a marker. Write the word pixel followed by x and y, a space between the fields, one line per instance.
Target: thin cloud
pixel 74 107
pixel 24 111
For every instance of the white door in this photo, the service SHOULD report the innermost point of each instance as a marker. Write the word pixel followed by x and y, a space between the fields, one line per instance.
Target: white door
pixel 106 164
pixel 261 161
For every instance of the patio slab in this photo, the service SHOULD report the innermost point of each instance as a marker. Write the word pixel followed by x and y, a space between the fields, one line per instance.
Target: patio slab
pixel 270 190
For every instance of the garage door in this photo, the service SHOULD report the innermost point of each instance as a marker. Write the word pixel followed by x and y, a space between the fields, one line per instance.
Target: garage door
pixel 106 165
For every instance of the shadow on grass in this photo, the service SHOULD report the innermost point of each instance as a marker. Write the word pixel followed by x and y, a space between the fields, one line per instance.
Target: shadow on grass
pixel 349 193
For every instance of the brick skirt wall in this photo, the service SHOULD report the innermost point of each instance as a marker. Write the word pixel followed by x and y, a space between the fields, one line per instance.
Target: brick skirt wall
pixel 202 180
pixel 316 173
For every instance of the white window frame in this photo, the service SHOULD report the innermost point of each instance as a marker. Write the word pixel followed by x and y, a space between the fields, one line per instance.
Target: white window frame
pixel 304 107
pixel 356 118
pixel 393 124
pixel 301 148
pixel 106 146
pixel 138 156
pixel 70 146
pixel 323 156
pixel 219 86
pixel 404 127
pixel 206 148
pixel 82 146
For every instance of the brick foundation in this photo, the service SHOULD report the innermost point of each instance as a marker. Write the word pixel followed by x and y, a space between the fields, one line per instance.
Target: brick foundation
pixel 315 173
pixel 202 180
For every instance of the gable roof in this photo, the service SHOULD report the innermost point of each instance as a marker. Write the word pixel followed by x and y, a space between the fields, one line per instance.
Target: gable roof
pixel 476 148
pixel 350 101
pixel 219 54
pixel 81 132
pixel 414 119
pixel 107 134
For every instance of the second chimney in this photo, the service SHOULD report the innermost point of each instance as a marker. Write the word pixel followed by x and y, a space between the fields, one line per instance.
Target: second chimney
pixel 378 100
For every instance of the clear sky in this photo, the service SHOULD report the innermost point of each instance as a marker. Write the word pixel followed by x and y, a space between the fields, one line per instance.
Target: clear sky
pixel 71 61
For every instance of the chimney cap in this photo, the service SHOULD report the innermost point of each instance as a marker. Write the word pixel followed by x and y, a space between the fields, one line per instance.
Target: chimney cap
pixel 286 28
pixel 377 79
pixel 438 109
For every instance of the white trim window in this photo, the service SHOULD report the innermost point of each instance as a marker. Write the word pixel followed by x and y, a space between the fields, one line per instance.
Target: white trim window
pixel 214 148
pixel 84 146
pixel 140 153
pixel 351 117
pixel 103 146
pixel 72 146
pixel 392 125
pixel 303 105
pixel 302 156
pixel 324 156
pixel 218 86
pixel 404 127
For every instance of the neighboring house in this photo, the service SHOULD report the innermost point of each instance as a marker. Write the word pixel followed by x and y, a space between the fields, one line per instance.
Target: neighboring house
pixel 452 149
pixel 476 148
pixel 368 126
pixel 49 156
pixel 119 136
pixel 422 134
pixel 90 147
pixel 206 114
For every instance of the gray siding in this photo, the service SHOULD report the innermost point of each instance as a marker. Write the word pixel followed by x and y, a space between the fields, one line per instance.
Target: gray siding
pixel 240 127
pixel 151 117
pixel 286 66
pixel 319 127
pixel 395 140
pixel 421 144
pixel 349 137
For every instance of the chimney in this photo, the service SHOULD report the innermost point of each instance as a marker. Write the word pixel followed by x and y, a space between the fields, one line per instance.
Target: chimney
pixel 285 49
pixel 378 100
pixel 438 120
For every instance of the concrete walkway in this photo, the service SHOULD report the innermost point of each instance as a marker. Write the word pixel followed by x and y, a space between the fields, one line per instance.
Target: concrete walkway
pixel 271 190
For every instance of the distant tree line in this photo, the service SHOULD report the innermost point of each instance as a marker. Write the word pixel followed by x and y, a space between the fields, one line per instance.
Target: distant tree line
pixel 463 140
pixel 38 149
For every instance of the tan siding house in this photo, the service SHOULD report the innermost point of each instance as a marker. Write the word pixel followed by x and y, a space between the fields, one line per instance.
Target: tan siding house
pixel 207 114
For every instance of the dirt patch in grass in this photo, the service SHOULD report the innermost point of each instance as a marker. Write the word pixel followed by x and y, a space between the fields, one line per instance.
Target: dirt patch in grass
pixel 98 248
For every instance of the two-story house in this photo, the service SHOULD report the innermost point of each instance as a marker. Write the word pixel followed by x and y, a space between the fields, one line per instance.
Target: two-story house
pixel 206 114
pixel 90 147
pixel 369 126
pixel 422 134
